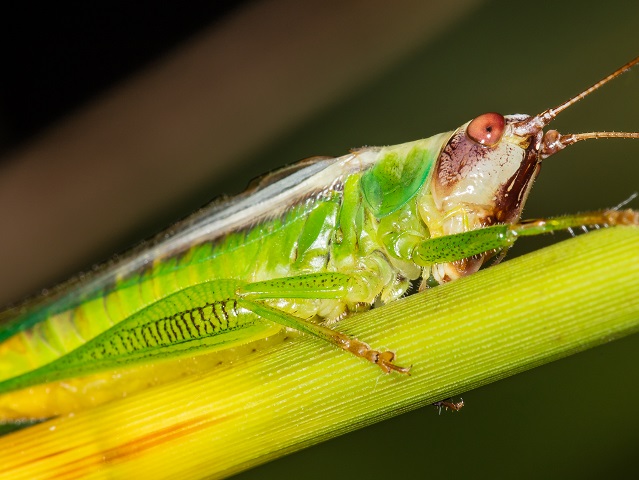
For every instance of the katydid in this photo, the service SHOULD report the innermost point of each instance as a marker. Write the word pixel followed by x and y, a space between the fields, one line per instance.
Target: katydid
pixel 304 247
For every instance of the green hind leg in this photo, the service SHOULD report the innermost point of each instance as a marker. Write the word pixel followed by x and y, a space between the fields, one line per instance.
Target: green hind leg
pixel 317 286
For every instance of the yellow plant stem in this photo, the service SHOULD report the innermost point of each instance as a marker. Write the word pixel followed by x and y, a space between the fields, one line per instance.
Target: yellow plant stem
pixel 512 317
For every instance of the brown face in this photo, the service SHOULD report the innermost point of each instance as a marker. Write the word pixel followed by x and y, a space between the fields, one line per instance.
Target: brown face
pixel 482 177
pixel 486 170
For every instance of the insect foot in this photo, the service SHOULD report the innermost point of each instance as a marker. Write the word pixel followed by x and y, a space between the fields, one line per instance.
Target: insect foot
pixel 449 404
pixel 622 217
pixel 363 350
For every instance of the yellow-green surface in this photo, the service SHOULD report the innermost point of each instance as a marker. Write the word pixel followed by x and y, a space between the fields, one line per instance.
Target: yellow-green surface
pixel 506 319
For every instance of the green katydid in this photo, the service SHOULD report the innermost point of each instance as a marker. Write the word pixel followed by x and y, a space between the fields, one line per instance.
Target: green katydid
pixel 305 246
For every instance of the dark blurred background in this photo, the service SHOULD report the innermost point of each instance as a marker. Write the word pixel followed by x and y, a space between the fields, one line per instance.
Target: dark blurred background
pixel 58 57
pixel 118 119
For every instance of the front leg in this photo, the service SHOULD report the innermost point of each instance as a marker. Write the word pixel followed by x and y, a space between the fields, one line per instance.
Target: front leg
pixel 459 246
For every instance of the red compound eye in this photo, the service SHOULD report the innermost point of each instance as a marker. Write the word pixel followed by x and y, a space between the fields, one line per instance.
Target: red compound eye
pixel 486 129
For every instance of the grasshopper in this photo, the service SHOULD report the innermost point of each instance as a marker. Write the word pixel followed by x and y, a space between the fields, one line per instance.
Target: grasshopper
pixel 302 248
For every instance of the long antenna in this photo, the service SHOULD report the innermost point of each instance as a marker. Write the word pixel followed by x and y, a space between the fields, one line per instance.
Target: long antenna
pixel 553 141
pixel 551 113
